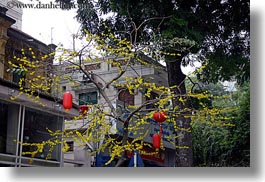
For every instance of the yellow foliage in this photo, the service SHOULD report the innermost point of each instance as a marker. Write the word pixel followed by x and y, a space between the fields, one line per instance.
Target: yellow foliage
pixel 98 121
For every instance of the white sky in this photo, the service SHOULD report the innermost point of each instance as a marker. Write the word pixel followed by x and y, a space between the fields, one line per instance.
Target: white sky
pixel 53 25
pixel 50 25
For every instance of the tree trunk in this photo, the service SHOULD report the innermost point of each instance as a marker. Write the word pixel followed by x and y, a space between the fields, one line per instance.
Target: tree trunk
pixel 184 155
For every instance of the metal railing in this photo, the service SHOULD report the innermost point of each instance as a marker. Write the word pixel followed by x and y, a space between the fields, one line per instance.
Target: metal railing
pixel 20 161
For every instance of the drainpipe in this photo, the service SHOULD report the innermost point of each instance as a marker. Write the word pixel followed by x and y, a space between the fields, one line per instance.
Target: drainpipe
pixel 18 133
pixel 22 133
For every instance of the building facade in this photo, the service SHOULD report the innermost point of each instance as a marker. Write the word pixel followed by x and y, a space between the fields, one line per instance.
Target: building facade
pixel 87 93
pixel 13 12
pixel 23 120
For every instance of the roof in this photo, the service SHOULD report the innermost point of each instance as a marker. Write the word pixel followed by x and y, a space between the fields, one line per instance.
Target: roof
pixel 4 16
pixel 6 88
pixel 24 37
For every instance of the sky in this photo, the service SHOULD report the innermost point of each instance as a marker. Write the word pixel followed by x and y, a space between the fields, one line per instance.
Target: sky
pixel 50 25
pixel 55 26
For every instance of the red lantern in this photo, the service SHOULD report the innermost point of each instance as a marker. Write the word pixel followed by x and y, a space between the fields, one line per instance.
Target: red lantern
pixel 160 116
pixel 156 141
pixel 67 101
pixel 83 109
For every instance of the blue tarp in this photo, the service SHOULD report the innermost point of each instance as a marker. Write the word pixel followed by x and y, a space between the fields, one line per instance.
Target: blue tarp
pixel 140 162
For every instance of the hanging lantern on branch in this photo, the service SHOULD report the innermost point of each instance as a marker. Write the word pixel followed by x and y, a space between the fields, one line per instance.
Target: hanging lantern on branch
pixel 83 109
pixel 67 101
pixel 160 116
pixel 156 141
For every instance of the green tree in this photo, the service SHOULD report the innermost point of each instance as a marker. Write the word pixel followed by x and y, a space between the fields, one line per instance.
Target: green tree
pixel 95 126
pixel 225 143
pixel 220 30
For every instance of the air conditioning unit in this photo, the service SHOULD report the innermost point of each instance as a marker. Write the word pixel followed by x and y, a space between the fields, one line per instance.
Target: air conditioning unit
pixel 80 77
pixel 83 78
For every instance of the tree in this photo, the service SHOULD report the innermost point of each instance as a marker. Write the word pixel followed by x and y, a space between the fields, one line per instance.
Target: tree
pixel 228 145
pixel 220 30
pixel 99 121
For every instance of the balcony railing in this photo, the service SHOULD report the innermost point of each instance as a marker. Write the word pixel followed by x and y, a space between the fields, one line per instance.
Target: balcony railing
pixel 20 161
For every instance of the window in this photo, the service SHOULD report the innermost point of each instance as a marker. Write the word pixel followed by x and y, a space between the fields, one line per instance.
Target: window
pixel 70 145
pixel 3 126
pixel 88 98
pixel 153 96
pixel 63 88
pixel 17 77
pixel 126 97
pixel 35 131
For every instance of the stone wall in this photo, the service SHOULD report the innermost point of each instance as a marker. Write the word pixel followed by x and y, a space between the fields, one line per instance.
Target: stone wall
pixel 5 23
